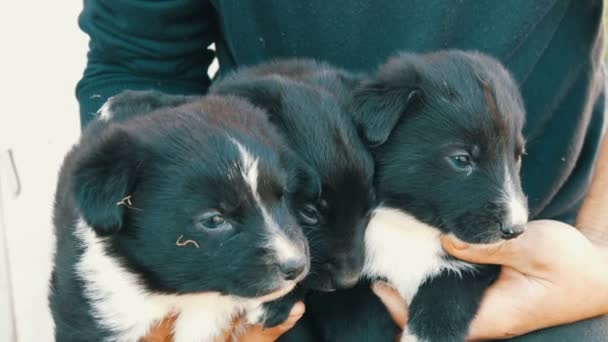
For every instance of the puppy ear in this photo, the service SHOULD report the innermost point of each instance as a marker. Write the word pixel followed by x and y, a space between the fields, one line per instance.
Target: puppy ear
pixel 264 93
pixel 304 180
pixel 378 104
pixel 103 175
pixel 130 103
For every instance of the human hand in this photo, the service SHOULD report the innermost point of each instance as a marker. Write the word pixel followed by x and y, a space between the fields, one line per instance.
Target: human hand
pixel 551 275
pixel 395 304
pixel 257 333
pixel 252 333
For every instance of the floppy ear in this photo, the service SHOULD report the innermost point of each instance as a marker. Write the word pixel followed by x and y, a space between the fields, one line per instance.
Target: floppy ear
pixel 103 175
pixel 130 103
pixel 378 103
pixel 303 180
pixel 264 92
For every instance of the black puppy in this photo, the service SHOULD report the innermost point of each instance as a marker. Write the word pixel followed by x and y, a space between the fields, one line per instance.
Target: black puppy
pixel 315 125
pixel 173 206
pixel 447 127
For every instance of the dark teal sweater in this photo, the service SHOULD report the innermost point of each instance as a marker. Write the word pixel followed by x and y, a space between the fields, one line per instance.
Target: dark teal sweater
pixel 552 47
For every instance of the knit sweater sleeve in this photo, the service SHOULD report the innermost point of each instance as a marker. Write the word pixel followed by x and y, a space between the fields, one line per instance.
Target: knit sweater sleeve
pixel 142 44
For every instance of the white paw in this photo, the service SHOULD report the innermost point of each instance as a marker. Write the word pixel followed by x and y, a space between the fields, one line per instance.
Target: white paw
pixel 406 336
pixel 409 338
pixel 256 314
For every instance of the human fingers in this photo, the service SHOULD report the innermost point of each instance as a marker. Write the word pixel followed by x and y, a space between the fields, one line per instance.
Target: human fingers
pixel 395 304
pixel 257 333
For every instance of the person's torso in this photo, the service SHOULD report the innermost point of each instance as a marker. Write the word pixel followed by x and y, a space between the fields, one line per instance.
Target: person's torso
pixel 546 44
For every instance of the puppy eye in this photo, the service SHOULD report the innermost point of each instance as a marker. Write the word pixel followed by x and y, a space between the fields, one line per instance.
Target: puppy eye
pixel 461 162
pixel 309 214
pixel 211 220
pixel 323 204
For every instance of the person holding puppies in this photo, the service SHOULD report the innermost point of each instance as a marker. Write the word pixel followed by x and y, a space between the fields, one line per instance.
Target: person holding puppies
pixel 554 275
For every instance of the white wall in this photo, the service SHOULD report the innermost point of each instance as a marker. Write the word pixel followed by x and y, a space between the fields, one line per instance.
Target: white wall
pixel 42 56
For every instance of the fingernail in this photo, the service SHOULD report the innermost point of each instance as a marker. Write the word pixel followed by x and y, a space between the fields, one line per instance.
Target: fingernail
pixel 380 285
pixel 298 309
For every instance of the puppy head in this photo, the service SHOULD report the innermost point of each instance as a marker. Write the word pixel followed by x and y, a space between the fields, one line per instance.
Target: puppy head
pixel 449 126
pixel 333 205
pixel 193 199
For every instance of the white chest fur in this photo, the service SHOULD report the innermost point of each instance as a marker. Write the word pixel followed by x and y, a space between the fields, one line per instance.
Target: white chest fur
pixel 404 250
pixel 124 307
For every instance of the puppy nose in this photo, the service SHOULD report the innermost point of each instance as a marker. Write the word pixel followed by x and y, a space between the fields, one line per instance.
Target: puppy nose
pixel 346 281
pixel 347 269
pixel 511 232
pixel 292 267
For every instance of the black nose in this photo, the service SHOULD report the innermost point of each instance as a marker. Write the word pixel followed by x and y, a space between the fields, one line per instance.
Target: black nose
pixel 347 268
pixel 292 268
pixel 347 280
pixel 511 232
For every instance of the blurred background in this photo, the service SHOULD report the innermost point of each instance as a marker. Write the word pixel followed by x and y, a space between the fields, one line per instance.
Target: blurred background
pixel 43 56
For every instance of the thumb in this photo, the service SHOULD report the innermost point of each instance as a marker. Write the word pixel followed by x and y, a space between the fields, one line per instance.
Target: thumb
pixel 503 252
pixel 257 333
pixel 395 304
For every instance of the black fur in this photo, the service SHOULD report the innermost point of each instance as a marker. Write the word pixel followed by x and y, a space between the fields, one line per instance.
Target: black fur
pixel 444 306
pixel 173 156
pixel 419 111
pixel 355 314
pixel 435 105
pixel 315 125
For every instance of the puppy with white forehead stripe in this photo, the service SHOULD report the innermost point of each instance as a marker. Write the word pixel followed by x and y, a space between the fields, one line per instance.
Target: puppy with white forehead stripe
pixel 182 209
pixel 447 131
pixel 335 209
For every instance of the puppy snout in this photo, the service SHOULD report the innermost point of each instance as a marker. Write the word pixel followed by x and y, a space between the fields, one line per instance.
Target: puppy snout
pixel 291 256
pixel 511 231
pixel 347 280
pixel 347 271
pixel 293 267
